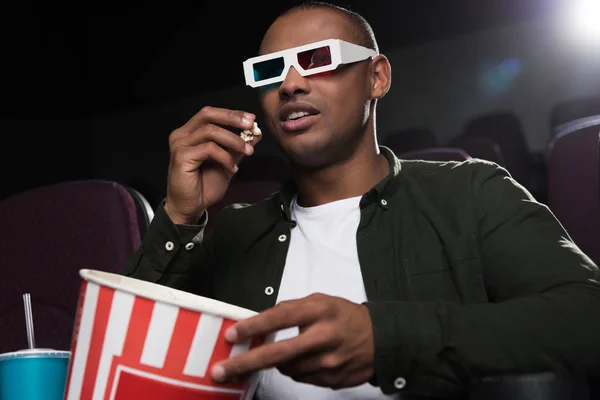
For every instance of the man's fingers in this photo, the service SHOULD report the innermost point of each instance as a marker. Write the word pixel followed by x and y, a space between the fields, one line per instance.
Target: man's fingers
pixel 286 314
pixel 191 157
pixel 220 116
pixel 309 364
pixel 266 356
pixel 210 132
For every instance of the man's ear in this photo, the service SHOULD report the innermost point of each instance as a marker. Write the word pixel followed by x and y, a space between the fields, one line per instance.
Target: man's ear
pixel 381 76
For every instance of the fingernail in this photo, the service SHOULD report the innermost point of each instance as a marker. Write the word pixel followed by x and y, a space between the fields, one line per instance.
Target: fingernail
pixel 246 120
pixel 235 168
pixel 231 334
pixel 218 373
pixel 249 149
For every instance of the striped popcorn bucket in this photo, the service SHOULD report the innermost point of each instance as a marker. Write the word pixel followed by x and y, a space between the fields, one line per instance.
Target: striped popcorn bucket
pixel 139 340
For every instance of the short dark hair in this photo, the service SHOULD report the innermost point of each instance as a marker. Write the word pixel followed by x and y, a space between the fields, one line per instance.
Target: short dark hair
pixel 361 28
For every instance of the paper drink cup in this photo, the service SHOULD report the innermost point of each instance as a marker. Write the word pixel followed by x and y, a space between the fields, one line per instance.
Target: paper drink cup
pixel 134 339
pixel 33 374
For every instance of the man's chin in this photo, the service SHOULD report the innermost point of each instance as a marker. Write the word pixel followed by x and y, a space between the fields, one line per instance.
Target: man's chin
pixel 310 157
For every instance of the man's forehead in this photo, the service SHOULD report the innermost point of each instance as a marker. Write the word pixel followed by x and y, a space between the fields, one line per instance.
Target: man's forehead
pixel 304 27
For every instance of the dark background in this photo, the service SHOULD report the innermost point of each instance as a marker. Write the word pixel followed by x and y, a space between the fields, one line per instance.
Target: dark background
pixel 63 67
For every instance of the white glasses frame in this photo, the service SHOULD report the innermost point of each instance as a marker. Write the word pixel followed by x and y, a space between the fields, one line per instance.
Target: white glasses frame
pixel 342 52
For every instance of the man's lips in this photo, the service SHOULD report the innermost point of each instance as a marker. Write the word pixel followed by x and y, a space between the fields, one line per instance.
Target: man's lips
pixel 303 116
pixel 302 123
pixel 296 107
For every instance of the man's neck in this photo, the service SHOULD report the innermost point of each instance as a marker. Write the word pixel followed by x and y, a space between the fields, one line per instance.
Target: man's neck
pixel 350 178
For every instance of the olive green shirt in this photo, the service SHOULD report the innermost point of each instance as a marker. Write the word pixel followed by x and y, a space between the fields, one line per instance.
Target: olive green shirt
pixel 466 274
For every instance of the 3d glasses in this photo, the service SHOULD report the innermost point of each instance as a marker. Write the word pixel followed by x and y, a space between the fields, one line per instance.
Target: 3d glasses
pixel 309 59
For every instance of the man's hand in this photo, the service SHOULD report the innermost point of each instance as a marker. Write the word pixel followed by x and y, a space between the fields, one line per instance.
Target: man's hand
pixel 334 348
pixel 205 155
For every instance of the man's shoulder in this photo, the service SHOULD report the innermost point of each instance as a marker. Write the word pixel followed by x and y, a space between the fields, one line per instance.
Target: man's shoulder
pixel 471 170
pixel 449 180
pixel 455 192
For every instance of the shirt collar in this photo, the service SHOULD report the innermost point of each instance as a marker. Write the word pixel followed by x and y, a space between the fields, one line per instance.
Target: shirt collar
pixel 382 190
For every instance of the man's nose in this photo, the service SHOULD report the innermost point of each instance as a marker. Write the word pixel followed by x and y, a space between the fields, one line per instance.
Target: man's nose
pixel 293 84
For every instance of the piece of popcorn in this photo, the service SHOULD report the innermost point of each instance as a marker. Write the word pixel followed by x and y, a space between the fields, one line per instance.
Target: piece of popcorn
pixel 249 134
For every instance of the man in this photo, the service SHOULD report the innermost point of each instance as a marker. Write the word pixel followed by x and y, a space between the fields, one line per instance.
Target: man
pixel 380 277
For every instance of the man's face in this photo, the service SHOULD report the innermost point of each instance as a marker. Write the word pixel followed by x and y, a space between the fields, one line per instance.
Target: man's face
pixel 337 101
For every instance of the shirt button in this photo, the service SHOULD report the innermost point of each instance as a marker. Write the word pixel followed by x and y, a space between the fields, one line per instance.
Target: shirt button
pixel 189 246
pixel 169 246
pixel 384 202
pixel 399 383
pixel 282 238
pixel 269 290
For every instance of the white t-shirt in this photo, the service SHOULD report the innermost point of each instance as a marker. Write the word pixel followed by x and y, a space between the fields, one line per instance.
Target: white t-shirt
pixel 322 258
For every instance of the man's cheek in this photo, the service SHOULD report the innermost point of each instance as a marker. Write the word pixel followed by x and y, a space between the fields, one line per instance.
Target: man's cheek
pixel 322 74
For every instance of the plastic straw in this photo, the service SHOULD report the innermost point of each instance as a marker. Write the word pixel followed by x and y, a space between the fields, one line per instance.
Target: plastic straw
pixel 29 320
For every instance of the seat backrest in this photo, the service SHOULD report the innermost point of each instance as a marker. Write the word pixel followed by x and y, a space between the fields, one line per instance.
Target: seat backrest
pixel 247 192
pixel 145 212
pixel 571 110
pixel 436 154
pixel 48 235
pixel 410 140
pixel 480 147
pixel 505 130
pixel 573 185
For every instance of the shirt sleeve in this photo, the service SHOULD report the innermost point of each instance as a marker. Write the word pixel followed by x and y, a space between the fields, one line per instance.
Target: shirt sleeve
pixel 173 255
pixel 542 315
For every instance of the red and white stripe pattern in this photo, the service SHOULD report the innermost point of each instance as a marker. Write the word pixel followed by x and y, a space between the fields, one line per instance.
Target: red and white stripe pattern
pixel 126 347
